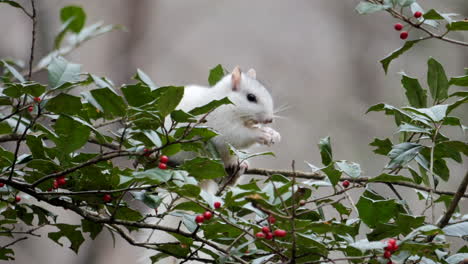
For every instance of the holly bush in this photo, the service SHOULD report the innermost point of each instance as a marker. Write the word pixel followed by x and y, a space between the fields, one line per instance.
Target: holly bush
pixel 64 153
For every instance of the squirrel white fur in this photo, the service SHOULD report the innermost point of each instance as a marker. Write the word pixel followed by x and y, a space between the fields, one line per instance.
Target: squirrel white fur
pixel 241 124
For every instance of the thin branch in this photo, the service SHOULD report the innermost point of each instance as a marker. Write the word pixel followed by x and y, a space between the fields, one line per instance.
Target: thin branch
pixel 364 180
pixel 94 192
pixel 97 159
pixel 341 259
pixel 31 58
pixel 18 142
pixel 293 215
pixel 33 41
pixel 321 206
pixel 92 139
pixel 118 120
pixel 453 205
pixel 28 232
pixel 18 110
pixel 14 242
pixel 190 257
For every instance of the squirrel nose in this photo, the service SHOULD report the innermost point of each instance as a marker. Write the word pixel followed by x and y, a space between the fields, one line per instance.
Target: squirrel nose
pixel 268 121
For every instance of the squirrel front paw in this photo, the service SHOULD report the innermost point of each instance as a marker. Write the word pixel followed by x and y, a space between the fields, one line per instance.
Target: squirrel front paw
pixel 268 136
pixel 238 167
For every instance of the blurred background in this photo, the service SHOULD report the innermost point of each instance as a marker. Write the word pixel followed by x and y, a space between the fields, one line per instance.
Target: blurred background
pixel 320 58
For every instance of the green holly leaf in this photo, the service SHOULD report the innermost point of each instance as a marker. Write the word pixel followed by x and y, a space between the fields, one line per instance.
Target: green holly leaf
pixel 437 80
pixel 402 154
pixel 326 151
pixel 64 104
pixel 395 54
pixel 414 92
pixel 71 233
pixel 216 74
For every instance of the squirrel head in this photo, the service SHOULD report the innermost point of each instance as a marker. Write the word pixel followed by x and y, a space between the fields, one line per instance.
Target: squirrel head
pixel 252 101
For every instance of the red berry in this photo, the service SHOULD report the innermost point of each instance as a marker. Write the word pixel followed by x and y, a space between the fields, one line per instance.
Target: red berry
pixel 55 184
pixel 207 215
pixel 271 219
pixel 417 14
pixel 164 159
pixel 260 235
pixel 1 184
pixel 390 262
pixel 49 190
pixel 61 181
pixel 392 244
pixel 217 205
pixel 265 229
pixel 199 219
pixel 387 254
pixel 269 236
pixel 346 184
pixel 107 198
pixel 37 99
pixel 17 198
pixel 398 26
pixel 30 109
pixel 404 35
pixel 147 152
pixel 279 233
pixel 162 166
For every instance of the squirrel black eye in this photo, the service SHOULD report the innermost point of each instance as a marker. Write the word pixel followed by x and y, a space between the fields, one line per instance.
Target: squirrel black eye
pixel 252 98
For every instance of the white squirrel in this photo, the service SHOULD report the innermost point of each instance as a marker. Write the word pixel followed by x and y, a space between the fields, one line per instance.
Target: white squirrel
pixel 241 124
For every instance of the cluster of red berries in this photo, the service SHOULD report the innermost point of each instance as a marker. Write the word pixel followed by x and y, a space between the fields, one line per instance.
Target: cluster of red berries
pixel 390 248
pixel 399 26
pixel 59 181
pixel 266 232
pixel 207 215
pixel 163 162
pixel 37 100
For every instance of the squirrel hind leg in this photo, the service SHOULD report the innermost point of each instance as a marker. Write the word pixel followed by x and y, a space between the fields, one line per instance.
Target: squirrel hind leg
pixel 234 172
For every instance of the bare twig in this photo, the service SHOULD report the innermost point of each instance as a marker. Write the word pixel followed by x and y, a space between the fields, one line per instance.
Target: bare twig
pixel 293 215
pixel 31 58
pixel 341 259
pixel 18 110
pixel 33 41
pixel 453 205
pixel 364 180
pixel 94 192
pixel 14 242
pixel 118 120
pixel 92 139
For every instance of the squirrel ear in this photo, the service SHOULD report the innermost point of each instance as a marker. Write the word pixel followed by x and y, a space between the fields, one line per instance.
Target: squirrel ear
pixel 236 78
pixel 252 74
